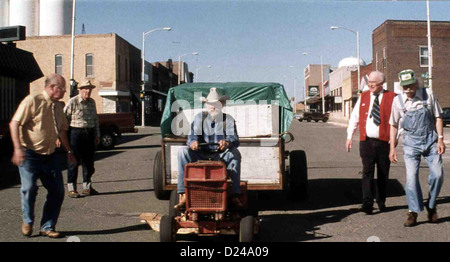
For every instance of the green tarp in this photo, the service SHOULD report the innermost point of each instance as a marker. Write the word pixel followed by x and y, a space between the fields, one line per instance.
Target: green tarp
pixel 238 91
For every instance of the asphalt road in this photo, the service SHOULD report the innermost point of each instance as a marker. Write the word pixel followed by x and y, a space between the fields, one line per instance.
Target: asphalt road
pixel 124 179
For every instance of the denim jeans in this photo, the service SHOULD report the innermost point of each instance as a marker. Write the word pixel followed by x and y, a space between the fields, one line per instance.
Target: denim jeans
pixel 420 139
pixel 231 158
pixel 48 169
pixel 413 152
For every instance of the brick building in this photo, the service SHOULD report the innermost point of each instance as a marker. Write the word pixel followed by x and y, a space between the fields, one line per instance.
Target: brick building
pixel 113 65
pixel 399 45
pixel 313 84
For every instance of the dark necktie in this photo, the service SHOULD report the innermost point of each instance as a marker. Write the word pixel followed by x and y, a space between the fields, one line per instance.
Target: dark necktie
pixel 376 110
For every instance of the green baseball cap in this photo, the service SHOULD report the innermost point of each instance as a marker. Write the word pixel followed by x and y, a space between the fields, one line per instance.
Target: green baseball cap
pixel 407 77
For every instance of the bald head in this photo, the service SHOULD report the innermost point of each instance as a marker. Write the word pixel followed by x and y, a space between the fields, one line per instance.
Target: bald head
pixel 55 86
pixel 54 79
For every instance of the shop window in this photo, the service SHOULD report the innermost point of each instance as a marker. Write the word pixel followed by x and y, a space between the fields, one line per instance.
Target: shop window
pixel 58 65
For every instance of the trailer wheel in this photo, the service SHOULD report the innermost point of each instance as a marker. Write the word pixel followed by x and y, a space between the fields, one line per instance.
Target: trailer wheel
pixel 174 199
pixel 167 229
pixel 325 119
pixel 309 119
pixel 246 227
pixel 298 175
pixel 158 178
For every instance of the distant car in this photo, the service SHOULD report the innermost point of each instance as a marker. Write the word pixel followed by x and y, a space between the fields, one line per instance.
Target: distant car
pixel 112 125
pixel 316 116
pixel 299 116
pixel 446 115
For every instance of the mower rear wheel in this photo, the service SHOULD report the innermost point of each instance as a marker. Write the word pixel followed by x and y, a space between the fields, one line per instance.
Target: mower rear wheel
pixel 246 228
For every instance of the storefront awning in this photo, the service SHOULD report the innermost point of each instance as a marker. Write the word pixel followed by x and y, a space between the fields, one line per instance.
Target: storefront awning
pixel 19 64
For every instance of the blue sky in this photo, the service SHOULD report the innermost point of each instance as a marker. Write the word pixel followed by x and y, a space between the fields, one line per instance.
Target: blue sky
pixel 255 41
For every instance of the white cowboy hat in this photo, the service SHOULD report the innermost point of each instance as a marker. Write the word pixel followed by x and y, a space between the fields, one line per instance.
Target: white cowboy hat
pixel 86 84
pixel 214 96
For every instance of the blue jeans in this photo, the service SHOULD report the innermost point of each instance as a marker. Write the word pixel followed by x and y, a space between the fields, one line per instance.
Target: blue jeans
pixel 231 158
pixel 48 169
pixel 414 148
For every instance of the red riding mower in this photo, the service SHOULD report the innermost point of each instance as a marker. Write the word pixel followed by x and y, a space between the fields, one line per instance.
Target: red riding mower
pixel 208 210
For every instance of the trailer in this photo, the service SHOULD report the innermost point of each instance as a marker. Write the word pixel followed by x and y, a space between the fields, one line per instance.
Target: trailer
pixel 263 116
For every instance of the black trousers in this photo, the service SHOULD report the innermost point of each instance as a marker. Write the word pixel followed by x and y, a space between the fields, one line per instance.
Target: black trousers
pixel 373 153
pixel 82 141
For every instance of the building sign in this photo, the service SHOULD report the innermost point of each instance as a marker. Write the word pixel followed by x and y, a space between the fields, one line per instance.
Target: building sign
pixel 313 90
pixel 338 99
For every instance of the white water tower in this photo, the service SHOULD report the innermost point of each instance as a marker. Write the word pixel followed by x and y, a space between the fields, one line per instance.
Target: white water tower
pixel 41 17
pixel 25 12
pixel 55 17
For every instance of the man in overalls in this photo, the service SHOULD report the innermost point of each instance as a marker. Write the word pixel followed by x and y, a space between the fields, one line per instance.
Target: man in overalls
pixel 417 114
pixel 212 126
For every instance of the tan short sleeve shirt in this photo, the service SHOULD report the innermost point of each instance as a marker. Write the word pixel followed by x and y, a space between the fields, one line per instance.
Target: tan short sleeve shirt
pixel 40 121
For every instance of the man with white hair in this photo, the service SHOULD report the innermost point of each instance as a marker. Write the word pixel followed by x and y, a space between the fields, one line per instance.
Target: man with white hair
pixel 371 114
pixel 212 126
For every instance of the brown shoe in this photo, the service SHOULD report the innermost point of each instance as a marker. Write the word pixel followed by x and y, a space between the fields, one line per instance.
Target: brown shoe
pixel 27 230
pixel 50 234
pixel 411 219
pixel 73 194
pixel 432 215
pixel 89 192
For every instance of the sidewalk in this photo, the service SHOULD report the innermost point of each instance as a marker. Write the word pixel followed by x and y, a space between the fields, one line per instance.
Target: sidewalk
pixel 344 123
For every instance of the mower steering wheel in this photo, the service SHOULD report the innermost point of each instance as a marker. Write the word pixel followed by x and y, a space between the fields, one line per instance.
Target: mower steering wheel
pixel 203 147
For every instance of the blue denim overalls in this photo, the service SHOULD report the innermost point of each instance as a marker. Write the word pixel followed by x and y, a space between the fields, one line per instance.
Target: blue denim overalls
pixel 420 139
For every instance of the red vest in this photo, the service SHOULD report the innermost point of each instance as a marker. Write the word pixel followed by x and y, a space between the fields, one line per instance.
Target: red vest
pixel 385 114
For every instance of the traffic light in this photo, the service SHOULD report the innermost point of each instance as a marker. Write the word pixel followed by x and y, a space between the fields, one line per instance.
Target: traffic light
pixel 426 78
pixel 73 88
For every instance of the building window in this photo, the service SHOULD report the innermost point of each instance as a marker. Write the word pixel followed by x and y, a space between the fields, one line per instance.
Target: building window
pixel 58 65
pixel 423 56
pixel 384 57
pixel 89 65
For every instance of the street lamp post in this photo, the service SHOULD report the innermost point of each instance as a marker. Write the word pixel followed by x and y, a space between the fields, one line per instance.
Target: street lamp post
pixel 143 69
pixel 430 50
pixel 321 79
pixel 181 70
pixel 357 51
pixel 295 80
pixel 196 70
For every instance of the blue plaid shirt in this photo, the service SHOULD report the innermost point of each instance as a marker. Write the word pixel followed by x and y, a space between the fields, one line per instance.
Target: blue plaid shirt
pixel 213 131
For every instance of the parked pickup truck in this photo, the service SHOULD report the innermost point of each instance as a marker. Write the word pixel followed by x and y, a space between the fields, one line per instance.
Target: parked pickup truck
pixel 316 116
pixel 113 125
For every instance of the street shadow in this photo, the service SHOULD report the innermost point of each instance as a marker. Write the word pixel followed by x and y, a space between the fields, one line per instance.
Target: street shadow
pixel 324 193
pixel 131 137
pixel 138 147
pixel 9 174
pixel 105 154
pixel 140 227
pixel 299 227
pixel 124 192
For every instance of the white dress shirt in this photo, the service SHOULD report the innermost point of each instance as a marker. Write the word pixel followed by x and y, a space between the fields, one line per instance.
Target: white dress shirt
pixel 372 130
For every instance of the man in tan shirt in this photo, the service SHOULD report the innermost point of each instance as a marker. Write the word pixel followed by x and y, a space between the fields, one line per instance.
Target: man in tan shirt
pixel 36 126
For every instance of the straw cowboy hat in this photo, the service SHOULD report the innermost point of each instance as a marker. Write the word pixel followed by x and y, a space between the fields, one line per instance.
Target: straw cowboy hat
pixel 86 84
pixel 214 96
